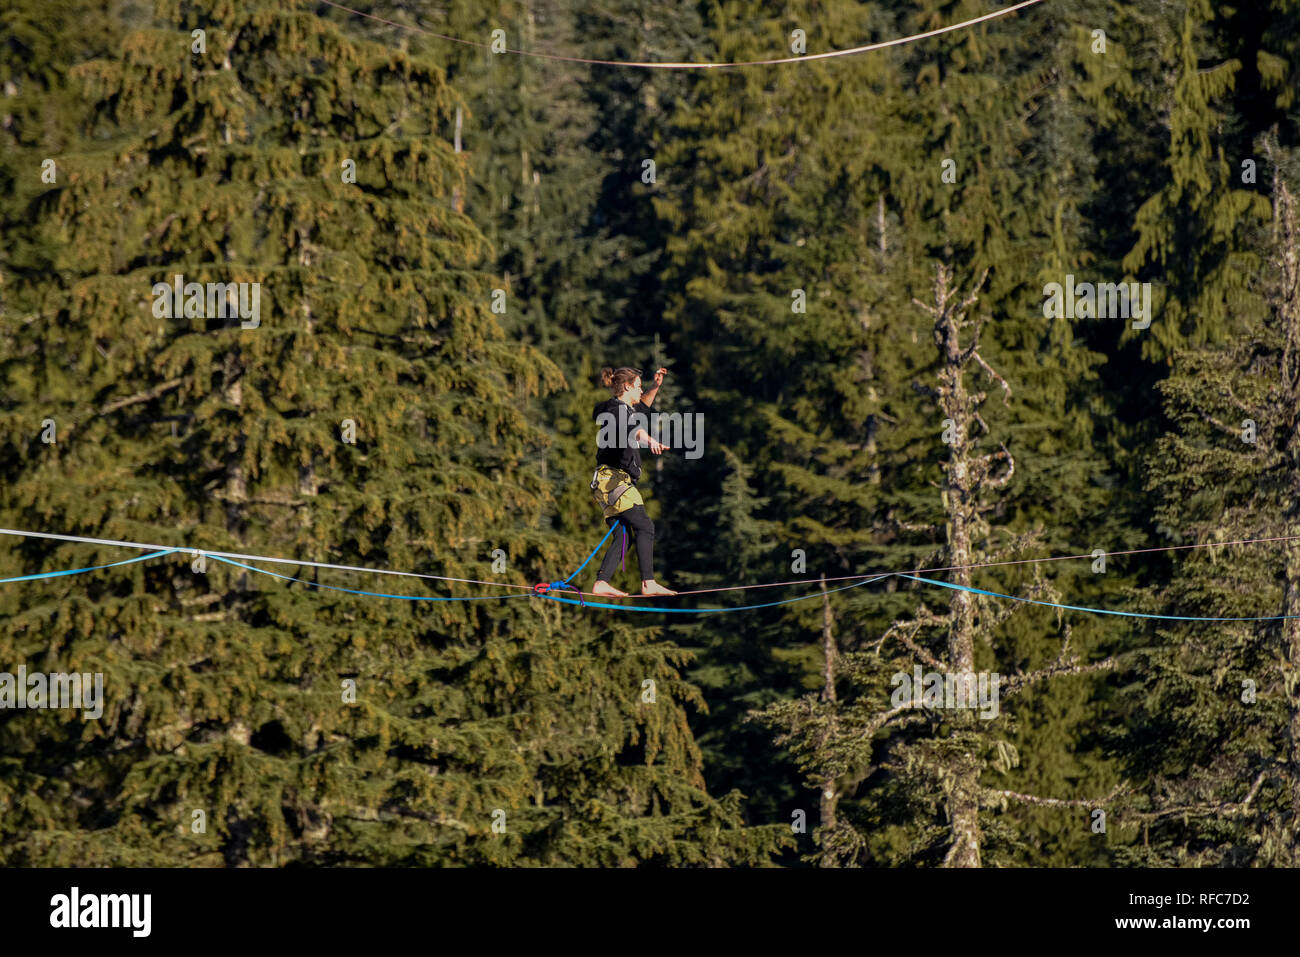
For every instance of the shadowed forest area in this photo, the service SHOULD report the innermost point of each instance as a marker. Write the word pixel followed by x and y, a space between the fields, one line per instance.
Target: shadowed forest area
pixel 1024 290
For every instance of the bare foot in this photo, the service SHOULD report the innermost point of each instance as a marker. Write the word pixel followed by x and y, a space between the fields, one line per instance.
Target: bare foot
pixel 607 590
pixel 654 588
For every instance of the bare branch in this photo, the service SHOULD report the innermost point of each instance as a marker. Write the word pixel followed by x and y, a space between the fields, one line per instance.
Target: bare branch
pixel 975 292
pixel 162 227
pixel 880 720
pixel 142 396
pixel 1069 666
pixel 1006 476
pixel 1228 808
pixel 1056 802
pixel 930 309
pixel 1234 432
pixel 1006 389
pixel 906 632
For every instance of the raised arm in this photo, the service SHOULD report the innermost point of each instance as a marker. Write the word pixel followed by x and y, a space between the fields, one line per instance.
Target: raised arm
pixel 648 395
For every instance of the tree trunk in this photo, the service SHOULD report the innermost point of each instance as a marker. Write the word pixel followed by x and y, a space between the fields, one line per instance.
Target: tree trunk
pixel 963 802
pixel 830 794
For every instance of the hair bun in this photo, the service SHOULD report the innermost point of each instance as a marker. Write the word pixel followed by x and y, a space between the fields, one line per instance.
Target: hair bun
pixel 607 377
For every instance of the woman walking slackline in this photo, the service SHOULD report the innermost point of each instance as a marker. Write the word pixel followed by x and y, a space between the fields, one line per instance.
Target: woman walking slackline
pixel 618 466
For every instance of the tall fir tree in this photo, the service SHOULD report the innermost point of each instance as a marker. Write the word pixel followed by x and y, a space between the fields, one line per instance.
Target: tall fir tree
pixel 926 774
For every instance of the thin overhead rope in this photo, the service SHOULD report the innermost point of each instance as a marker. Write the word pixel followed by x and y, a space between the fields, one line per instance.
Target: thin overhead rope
pixel 697 66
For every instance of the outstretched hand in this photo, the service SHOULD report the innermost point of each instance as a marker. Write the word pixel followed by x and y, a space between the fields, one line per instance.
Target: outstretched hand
pixel 659 377
pixel 651 442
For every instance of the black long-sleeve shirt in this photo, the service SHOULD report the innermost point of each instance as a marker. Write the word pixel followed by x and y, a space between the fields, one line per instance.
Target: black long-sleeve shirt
pixel 625 454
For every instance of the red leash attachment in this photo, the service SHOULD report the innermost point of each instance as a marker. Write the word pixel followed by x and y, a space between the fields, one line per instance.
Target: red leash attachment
pixel 541 588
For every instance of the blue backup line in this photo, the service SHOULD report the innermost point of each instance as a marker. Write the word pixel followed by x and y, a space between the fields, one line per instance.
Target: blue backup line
pixel 92 568
pixel 374 594
pixel 542 587
pixel 593 553
pixel 1095 611
pixel 565 583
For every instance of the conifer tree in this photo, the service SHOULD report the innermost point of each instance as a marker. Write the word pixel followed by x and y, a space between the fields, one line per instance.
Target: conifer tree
pixel 929 770
pixel 1191 234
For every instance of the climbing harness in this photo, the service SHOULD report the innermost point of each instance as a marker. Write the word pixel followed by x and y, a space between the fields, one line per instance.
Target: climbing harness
pixel 614 491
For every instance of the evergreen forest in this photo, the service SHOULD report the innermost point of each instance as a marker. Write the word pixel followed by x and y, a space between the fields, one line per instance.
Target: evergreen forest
pixel 992 337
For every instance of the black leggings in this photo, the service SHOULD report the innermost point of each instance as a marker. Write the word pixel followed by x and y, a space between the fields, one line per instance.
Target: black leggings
pixel 635 519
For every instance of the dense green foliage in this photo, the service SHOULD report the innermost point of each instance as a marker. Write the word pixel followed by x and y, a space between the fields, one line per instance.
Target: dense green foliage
pixel 450 242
